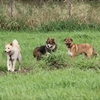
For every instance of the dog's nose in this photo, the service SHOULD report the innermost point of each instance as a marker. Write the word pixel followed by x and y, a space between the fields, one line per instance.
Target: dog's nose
pixel 48 46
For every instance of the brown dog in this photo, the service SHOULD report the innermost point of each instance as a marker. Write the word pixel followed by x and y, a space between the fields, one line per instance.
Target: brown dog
pixel 50 46
pixel 76 49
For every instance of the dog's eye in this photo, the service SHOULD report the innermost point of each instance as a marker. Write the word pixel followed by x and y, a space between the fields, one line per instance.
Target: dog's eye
pixel 47 42
pixel 8 48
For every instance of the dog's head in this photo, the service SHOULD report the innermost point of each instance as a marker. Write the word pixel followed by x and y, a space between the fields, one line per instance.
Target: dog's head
pixel 8 48
pixel 50 43
pixel 68 42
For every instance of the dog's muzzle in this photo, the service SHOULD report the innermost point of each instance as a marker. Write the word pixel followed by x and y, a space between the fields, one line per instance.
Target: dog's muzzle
pixel 7 53
pixel 68 45
pixel 49 46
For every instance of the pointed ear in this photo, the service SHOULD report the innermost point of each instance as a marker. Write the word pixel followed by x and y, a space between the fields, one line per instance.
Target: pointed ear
pixel 48 38
pixel 65 39
pixel 53 39
pixel 11 44
pixel 71 39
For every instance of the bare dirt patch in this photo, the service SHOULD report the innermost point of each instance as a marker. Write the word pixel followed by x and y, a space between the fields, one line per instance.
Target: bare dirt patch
pixel 23 71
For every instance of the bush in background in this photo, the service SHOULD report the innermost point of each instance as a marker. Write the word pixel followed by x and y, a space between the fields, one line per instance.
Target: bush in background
pixel 49 16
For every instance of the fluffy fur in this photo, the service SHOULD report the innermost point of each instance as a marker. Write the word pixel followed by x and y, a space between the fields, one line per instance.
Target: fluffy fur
pixel 50 46
pixel 12 51
pixel 76 49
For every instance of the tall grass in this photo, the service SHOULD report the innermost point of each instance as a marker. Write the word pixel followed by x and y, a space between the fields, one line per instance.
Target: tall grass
pixel 50 16
pixel 30 40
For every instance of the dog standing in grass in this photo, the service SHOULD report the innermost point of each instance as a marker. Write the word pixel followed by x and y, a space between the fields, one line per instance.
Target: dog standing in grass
pixel 12 51
pixel 76 49
pixel 50 46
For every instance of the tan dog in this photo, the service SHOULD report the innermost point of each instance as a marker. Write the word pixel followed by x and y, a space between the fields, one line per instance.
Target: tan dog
pixel 76 49
pixel 13 53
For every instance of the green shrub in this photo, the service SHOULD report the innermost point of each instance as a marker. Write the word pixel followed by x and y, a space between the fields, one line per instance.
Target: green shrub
pixel 50 16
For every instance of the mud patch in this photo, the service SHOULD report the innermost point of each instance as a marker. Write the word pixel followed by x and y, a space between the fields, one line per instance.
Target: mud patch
pixel 58 65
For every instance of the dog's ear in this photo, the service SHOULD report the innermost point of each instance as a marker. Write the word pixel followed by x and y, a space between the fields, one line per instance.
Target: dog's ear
pixel 71 39
pixel 65 39
pixel 53 39
pixel 11 44
pixel 48 38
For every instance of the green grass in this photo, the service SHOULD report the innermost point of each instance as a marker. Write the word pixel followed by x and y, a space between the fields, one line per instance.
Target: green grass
pixel 68 79
pixel 70 84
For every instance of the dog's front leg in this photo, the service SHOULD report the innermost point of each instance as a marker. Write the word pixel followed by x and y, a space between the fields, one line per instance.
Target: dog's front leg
pixel 72 56
pixel 13 65
pixel 9 65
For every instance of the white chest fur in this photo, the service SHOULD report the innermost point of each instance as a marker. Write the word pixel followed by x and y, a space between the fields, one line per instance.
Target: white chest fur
pixel 70 53
pixel 47 53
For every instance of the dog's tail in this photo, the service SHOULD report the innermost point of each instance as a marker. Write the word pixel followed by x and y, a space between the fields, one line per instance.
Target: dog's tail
pixel 15 43
pixel 95 53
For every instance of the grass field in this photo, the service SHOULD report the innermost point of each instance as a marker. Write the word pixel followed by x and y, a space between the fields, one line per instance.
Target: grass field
pixel 55 77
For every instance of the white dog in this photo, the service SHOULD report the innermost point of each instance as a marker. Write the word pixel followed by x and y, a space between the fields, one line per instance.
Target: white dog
pixel 13 53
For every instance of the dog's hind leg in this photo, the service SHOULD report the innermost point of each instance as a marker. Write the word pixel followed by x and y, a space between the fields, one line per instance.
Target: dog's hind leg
pixel 95 53
pixel 38 56
pixel 89 54
pixel 19 61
